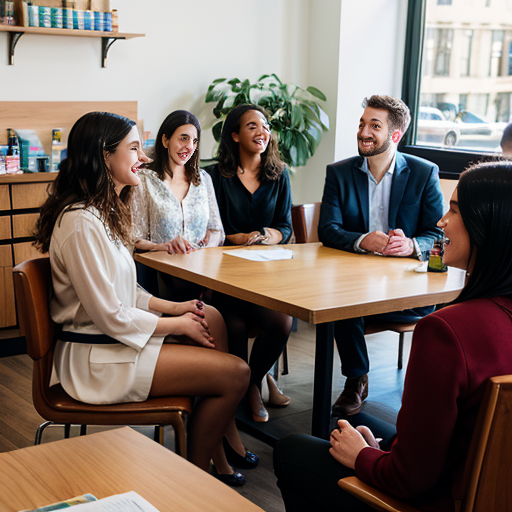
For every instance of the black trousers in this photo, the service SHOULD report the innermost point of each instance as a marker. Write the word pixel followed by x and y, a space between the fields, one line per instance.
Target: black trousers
pixel 308 475
pixel 351 343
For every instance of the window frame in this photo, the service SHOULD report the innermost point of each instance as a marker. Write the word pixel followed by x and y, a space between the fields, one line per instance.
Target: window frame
pixel 451 162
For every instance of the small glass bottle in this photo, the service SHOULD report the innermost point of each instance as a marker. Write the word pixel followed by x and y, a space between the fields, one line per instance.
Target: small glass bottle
pixel 12 159
pixel 435 260
pixel 115 21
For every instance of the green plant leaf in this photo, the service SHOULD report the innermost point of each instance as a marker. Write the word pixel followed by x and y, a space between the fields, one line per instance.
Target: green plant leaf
pixel 217 130
pixel 217 111
pixel 316 92
pixel 302 149
pixel 277 78
pixel 295 116
pixel 324 119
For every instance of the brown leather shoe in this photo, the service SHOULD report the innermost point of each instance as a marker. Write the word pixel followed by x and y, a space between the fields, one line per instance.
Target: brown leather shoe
pixel 351 399
pixel 276 398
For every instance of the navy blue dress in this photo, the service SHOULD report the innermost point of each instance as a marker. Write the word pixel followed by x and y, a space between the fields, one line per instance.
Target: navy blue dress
pixel 243 212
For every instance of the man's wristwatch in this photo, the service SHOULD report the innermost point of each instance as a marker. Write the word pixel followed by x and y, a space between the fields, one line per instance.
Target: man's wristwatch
pixel 416 249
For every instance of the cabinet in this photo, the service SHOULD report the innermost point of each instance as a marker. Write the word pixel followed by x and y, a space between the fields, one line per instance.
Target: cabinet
pixel 21 196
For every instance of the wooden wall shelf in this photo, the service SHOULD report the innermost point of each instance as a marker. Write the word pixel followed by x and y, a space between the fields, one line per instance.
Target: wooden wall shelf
pixel 107 38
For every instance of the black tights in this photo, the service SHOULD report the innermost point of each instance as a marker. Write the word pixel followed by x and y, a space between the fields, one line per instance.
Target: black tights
pixel 244 320
pixel 308 475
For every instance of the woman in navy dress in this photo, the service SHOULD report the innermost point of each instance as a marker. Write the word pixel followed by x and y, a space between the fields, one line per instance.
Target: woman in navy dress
pixel 253 193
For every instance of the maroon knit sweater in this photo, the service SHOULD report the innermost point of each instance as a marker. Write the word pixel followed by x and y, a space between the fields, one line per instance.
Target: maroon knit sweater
pixel 454 351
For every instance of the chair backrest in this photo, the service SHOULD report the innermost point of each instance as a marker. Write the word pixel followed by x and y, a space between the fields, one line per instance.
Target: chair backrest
pixel 33 284
pixel 488 472
pixel 305 219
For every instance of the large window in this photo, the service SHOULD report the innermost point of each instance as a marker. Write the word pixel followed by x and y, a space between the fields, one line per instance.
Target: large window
pixel 458 78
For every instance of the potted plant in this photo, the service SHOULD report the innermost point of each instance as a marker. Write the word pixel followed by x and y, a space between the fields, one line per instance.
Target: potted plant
pixel 295 114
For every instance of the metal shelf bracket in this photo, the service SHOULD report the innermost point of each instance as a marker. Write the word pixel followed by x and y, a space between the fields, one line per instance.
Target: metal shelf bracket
pixel 106 43
pixel 14 37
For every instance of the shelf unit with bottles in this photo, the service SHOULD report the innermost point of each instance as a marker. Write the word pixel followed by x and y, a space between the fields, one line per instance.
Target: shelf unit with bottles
pixel 107 38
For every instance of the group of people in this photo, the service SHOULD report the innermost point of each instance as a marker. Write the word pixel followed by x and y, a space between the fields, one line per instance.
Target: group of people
pixel 120 343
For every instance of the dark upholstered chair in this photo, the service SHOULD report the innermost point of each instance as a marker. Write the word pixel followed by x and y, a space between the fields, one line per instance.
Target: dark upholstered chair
pixel 305 219
pixel 487 475
pixel 32 280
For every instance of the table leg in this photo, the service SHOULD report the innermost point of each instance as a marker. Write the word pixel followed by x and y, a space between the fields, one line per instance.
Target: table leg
pixel 322 389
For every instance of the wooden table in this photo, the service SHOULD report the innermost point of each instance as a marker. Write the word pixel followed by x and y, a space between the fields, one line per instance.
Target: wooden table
pixel 108 463
pixel 319 285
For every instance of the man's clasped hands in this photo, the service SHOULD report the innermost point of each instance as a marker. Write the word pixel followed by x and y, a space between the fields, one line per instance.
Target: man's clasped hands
pixel 395 243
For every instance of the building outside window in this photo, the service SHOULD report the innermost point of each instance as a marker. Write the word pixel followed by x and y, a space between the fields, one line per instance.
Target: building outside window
pixel 443 51
pixel 464 94
pixel 465 58
pixel 496 52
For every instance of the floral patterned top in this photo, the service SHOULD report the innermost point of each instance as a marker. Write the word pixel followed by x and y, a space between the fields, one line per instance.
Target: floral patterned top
pixel 159 217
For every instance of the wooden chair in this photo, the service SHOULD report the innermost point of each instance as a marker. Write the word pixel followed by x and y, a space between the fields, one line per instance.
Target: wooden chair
pixel 488 471
pixel 32 280
pixel 305 219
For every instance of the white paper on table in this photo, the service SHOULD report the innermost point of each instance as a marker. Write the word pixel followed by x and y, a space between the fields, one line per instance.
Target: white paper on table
pixel 127 502
pixel 255 255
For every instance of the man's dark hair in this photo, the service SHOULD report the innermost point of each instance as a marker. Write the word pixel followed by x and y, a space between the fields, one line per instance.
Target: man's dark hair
pixel 399 115
pixel 506 140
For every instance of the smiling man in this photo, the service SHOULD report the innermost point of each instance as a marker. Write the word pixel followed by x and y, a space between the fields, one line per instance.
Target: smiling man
pixel 383 202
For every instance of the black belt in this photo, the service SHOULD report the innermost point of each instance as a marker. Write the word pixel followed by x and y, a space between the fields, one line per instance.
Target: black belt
pixel 90 339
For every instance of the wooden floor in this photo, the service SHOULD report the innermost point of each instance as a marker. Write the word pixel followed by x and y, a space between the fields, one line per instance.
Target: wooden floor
pixel 19 420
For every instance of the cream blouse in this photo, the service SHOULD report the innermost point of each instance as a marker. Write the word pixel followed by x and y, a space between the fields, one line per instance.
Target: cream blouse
pixel 159 217
pixel 96 292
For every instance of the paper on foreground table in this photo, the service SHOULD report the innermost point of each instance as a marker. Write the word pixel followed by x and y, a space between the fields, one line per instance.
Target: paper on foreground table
pixel 127 502
pixel 255 255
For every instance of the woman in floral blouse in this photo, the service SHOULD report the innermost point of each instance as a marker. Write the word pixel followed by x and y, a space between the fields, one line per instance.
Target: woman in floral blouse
pixel 174 207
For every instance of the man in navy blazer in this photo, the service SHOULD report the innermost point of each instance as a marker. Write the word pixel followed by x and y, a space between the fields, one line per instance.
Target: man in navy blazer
pixel 382 202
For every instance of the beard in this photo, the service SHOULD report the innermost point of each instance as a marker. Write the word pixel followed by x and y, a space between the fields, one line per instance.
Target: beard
pixel 375 150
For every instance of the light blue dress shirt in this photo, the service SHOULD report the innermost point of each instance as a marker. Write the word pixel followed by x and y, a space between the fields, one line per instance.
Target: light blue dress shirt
pixel 378 200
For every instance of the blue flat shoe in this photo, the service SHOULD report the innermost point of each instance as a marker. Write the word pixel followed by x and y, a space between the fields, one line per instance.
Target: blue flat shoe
pixel 248 461
pixel 235 479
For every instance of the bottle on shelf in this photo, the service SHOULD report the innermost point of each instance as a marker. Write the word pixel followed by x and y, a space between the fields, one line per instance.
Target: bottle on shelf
pixel 115 20
pixel 12 159
pixel 57 148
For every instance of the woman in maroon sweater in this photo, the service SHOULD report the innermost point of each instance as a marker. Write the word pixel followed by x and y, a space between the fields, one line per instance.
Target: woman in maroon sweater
pixel 454 352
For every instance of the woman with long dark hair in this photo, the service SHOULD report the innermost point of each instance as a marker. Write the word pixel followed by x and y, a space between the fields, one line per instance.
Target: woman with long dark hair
pixel 253 193
pixel 174 207
pixel 118 343
pixel 454 352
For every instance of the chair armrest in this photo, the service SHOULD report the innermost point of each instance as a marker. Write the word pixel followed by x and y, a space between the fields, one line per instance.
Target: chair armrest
pixel 373 497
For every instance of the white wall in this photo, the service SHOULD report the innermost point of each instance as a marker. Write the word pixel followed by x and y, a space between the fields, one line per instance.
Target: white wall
pixel 371 42
pixel 346 48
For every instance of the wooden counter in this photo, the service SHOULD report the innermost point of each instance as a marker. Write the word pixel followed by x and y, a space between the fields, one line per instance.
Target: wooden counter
pixel 21 196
